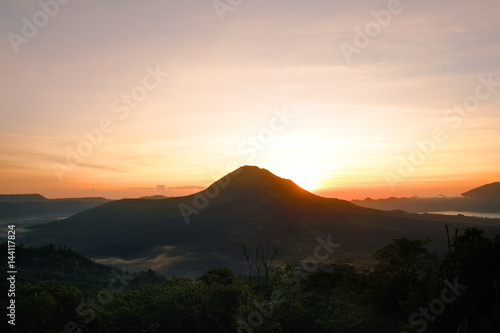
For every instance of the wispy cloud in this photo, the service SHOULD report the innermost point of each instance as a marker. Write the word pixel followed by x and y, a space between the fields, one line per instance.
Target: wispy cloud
pixel 225 78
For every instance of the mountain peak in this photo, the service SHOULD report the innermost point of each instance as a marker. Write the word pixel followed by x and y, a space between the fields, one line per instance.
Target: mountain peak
pixel 252 176
pixel 250 169
pixel 253 182
pixel 253 172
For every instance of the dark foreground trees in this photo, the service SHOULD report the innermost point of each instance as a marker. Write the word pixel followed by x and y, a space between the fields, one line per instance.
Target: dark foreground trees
pixel 408 290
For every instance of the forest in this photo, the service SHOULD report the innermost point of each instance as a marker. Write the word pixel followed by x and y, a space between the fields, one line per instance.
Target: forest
pixel 409 290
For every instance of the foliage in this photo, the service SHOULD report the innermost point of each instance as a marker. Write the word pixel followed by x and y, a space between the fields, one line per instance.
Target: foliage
pixel 345 298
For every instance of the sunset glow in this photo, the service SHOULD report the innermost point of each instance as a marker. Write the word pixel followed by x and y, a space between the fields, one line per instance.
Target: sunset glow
pixel 303 175
pixel 171 93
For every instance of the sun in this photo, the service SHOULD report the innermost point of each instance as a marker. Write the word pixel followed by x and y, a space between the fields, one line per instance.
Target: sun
pixel 307 182
pixel 303 175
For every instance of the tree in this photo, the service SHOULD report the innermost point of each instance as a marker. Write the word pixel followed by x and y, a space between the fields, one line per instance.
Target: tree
pixel 474 261
pixel 404 258
pixel 48 305
pixel 219 275
pixel 404 277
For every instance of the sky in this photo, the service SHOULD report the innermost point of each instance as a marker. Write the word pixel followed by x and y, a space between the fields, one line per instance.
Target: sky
pixel 348 99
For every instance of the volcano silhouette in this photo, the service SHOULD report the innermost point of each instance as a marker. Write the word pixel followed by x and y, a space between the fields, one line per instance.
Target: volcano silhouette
pixel 190 234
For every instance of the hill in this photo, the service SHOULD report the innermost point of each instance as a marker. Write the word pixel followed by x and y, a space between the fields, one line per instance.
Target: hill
pixel 187 235
pixel 22 197
pixel 35 265
pixel 485 192
pixel 34 205
pixel 484 199
pixel 154 197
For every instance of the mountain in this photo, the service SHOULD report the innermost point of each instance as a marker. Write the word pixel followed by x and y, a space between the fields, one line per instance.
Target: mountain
pixel 154 197
pixel 485 192
pixel 484 199
pixel 20 206
pixel 22 197
pixel 415 204
pixel 187 235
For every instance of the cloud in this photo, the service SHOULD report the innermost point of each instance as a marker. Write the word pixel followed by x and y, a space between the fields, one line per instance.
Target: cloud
pixel 227 77
pixel 159 260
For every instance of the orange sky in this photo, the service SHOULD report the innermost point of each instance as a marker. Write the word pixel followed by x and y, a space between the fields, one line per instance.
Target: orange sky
pixel 120 97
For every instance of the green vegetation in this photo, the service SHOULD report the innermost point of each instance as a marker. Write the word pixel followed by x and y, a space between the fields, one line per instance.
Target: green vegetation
pixel 408 290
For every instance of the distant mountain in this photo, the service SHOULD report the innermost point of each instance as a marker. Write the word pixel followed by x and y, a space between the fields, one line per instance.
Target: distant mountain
pixel 22 197
pixel 485 192
pixel 154 197
pixel 485 199
pixel 37 206
pixel 246 206
pixel 414 204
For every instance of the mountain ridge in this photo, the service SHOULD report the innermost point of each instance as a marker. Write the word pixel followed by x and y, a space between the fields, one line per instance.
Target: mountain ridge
pixel 19 206
pixel 249 205
pixel 22 197
pixel 485 198
pixel 488 191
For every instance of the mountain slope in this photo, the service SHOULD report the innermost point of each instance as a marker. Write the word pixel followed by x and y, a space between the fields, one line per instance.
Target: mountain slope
pixel 246 205
pixel 22 197
pixel 485 192
pixel 25 205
